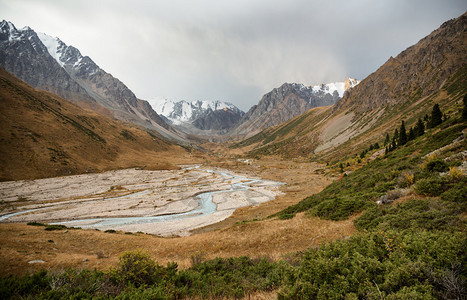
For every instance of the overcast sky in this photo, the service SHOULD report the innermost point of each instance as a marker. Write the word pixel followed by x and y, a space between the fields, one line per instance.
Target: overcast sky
pixel 237 50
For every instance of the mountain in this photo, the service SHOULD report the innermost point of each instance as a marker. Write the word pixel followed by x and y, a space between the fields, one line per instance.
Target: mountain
pixel 405 88
pixel 203 115
pixel 288 101
pixel 43 135
pixel 49 64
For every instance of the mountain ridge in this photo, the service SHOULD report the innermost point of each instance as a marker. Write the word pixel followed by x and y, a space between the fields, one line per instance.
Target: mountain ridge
pixel 288 101
pixel 205 116
pixel 49 64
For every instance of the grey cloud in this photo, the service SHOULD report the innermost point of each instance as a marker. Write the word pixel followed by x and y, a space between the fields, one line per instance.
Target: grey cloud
pixel 233 50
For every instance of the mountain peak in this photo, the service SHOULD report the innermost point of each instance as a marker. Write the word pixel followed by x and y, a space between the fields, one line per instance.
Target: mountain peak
pixel 201 114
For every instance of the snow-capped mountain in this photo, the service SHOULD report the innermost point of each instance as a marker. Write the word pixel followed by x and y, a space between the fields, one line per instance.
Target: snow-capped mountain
pixel 204 115
pixel 288 101
pixel 49 64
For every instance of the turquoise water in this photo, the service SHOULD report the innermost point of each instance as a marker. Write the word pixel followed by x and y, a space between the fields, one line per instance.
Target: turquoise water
pixel 205 206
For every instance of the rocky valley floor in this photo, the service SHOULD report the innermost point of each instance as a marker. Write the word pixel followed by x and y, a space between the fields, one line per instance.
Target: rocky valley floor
pixel 237 227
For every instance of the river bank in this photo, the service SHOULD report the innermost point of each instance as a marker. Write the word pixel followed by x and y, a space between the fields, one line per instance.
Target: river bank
pixel 165 203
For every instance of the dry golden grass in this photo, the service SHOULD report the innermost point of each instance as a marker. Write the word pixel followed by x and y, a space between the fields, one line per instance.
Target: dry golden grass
pixel 21 243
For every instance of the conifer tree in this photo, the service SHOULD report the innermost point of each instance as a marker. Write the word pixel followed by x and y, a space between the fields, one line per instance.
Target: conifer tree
pixel 387 140
pixel 464 110
pixel 396 135
pixel 411 134
pixel 436 116
pixel 402 135
pixel 419 128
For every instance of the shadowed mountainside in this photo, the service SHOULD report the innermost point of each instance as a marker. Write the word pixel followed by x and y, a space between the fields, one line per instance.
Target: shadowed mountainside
pixel 43 135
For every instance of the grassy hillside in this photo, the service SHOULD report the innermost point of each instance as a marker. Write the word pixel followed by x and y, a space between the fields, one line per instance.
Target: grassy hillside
pixel 42 135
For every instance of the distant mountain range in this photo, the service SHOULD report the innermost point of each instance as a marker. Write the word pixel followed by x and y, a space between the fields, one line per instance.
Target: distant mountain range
pixel 49 64
pixel 203 115
pixel 288 101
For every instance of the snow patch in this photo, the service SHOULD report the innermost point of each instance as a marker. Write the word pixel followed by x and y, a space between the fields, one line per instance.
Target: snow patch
pixel 183 111
pixel 52 44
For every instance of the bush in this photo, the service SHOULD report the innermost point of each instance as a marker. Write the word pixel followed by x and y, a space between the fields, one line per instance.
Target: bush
pixel 455 174
pixel 406 179
pixel 136 268
pixel 378 265
pixel 428 214
pixel 435 164
pixel 457 193
pixel 432 186
pixel 36 224
pixel 55 227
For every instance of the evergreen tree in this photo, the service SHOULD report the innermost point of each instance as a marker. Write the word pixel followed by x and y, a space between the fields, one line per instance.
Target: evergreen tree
pixel 387 140
pixel 396 135
pixel 464 110
pixel 376 146
pixel 402 135
pixel 411 134
pixel 436 116
pixel 419 128
pixel 393 145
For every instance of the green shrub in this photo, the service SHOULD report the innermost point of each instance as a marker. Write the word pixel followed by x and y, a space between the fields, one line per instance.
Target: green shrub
pixel 436 165
pixel 458 194
pixel 137 268
pixel 379 265
pixel 432 186
pixel 55 227
pixel 20 287
pixel 286 216
pixel 36 224
pixel 428 214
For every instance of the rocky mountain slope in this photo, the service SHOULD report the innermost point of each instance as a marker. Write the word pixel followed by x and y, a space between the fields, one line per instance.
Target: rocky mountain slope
pixel 404 88
pixel 49 64
pixel 43 135
pixel 288 101
pixel 203 115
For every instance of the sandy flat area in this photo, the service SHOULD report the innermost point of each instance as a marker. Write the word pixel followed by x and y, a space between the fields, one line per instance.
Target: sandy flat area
pixel 165 203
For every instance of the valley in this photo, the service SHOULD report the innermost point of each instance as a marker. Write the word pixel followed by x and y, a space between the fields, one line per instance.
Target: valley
pixel 345 190
pixel 165 203
pixel 242 231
